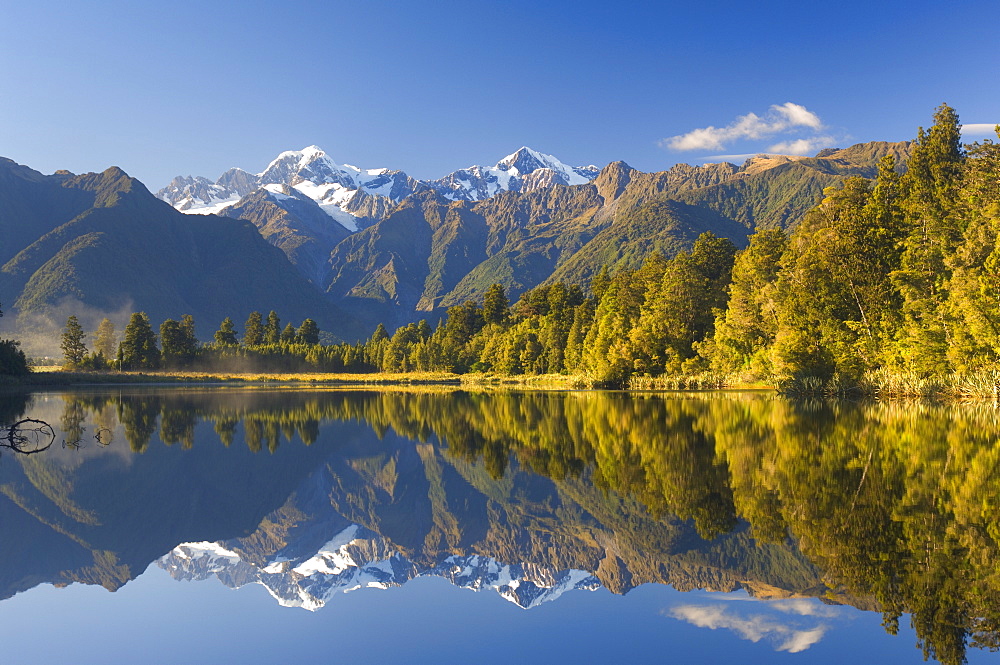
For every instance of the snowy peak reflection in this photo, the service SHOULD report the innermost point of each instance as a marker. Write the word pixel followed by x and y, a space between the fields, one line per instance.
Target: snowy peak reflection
pixel 357 558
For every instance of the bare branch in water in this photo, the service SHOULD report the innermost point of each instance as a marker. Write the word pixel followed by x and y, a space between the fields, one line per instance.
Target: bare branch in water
pixel 28 436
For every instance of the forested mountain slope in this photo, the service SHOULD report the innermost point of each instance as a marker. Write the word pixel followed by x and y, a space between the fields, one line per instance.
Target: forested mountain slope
pixel 432 253
pixel 103 241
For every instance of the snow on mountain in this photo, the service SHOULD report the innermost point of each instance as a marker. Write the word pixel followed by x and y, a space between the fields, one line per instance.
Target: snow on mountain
pixel 357 558
pixel 526 161
pixel 349 194
pixel 197 195
pixel 523 170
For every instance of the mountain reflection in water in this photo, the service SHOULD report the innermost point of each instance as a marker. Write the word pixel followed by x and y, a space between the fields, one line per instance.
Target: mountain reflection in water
pixel 886 507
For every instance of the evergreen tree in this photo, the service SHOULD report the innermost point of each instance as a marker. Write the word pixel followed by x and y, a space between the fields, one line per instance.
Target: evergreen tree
pixel 375 346
pixel 600 283
pixel 308 333
pixel 13 362
pixel 931 185
pixel 672 318
pixel 106 339
pixel 138 347
pixel 190 338
pixel 496 307
pixel 583 316
pixel 272 330
pixel 830 297
pixel 745 331
pixel 12 359
pixel 288 334
pixel 974 288
pixel 170 341
pixel 226 334
pixel 380 334
pixel 178 348
pixel 463 322
pixel 608 357
pixel 253 330
pixel 72 345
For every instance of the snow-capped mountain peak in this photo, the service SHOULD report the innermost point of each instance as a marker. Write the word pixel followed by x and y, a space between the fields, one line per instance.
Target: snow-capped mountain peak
pixel 355 197
pixel 309 164
pixel 299 158
pixel 526 161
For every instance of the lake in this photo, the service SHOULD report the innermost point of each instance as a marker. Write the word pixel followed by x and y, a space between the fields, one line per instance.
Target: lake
pixel 256 525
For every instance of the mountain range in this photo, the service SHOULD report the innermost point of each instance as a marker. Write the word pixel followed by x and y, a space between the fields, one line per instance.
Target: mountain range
pixel 340 190
pixel 359 247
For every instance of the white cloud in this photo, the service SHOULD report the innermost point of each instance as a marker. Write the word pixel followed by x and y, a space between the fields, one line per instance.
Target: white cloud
pixel 804 607
pixel 798 116
pixel 802 146
pixel 754 628
pixel 979 129
pixel 778 119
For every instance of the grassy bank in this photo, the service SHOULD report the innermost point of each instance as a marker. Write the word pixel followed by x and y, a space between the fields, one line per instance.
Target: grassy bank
pixel 882 384
pixel 984 384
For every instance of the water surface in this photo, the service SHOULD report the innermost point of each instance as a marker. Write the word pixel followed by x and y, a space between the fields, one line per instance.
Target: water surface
pixel 597 527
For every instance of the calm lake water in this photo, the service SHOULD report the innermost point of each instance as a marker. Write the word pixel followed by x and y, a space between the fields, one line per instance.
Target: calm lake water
pixel 218 525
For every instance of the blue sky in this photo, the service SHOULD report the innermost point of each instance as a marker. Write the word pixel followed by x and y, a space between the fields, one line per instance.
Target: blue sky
pixel 193 88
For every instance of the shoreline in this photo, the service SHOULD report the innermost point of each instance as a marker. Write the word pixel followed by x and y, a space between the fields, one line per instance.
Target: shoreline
pixel 983 386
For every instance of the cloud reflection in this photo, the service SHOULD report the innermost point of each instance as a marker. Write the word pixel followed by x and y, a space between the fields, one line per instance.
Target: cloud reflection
pixel 785 636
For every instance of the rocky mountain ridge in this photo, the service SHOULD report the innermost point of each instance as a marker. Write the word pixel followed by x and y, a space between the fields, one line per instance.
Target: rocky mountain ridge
pixel 340 189
pixel 101 242
pixel 431 253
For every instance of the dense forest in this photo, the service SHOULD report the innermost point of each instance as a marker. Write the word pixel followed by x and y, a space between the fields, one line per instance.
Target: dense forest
pixel 886 280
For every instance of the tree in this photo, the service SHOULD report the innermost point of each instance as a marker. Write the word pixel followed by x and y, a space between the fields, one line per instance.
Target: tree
pixel 106 339
pixel 672 317
pixel 178 345
pixel 288 334
pixel 974 288
pixel 601 281
pixel 272 331
pixel 253 330
pixel 463 322
pixel 375 345
pixel 73 348
pixel 931 188
pixel 496 307
pixel 745 331
pixel 226 334
pixel 308 332
pixel 187 327
pixel 12 359
pixel 380 334
pixel 138 347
